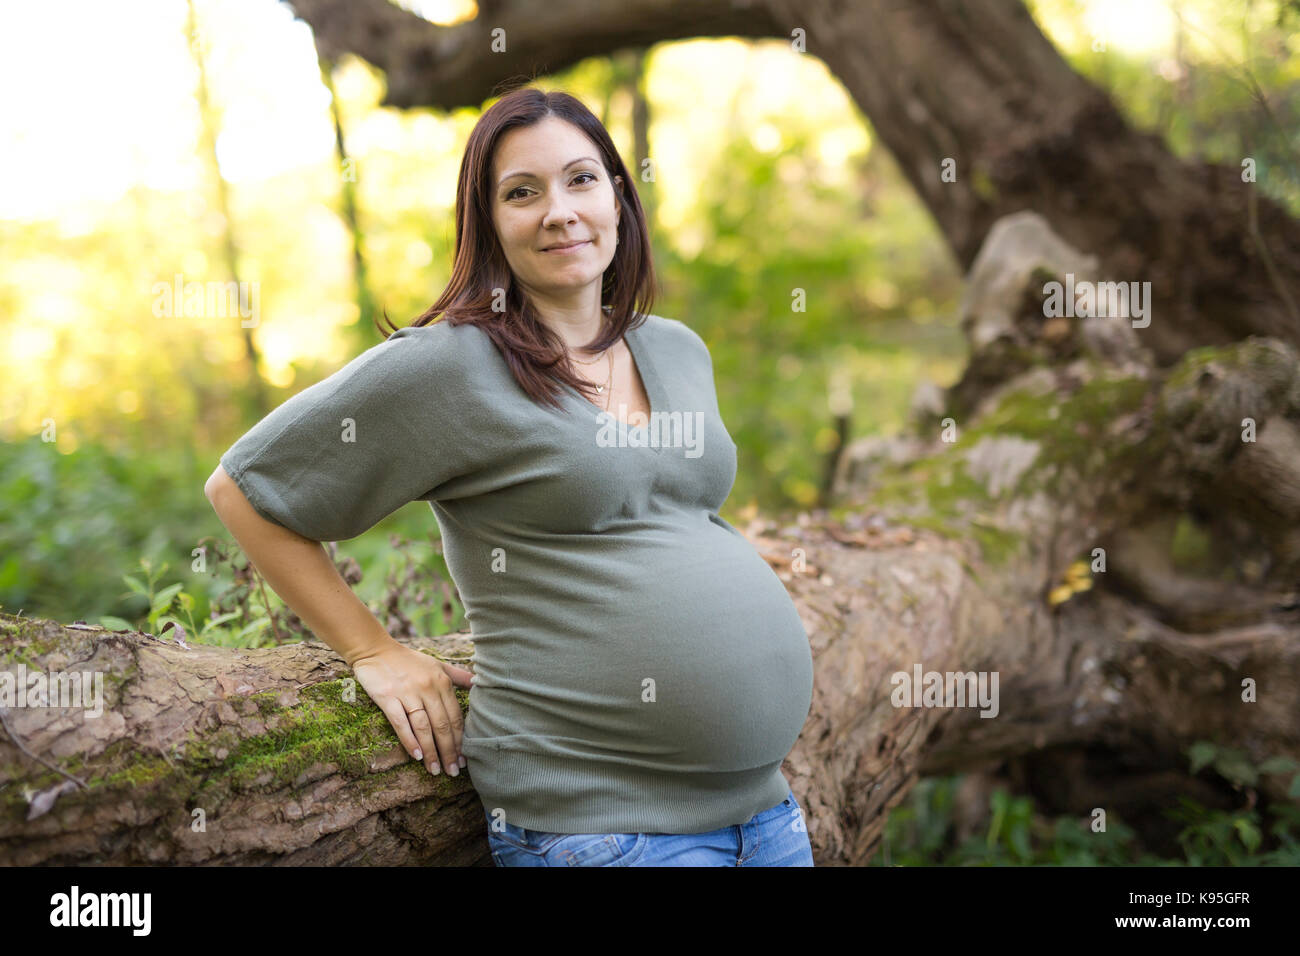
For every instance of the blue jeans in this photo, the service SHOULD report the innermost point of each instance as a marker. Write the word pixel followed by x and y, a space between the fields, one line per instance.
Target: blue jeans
pixel 774 837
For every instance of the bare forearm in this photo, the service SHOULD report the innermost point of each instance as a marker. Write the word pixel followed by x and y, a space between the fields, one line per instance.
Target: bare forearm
pixel 299 570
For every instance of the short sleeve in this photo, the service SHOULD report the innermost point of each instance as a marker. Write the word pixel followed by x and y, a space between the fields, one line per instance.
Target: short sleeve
pixel 343 454
pixel 700 348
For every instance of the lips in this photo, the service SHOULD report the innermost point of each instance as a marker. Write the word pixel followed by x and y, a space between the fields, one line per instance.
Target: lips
pixel 567 245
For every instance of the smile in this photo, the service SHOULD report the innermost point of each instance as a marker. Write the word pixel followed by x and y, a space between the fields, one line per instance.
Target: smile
pixel 564 250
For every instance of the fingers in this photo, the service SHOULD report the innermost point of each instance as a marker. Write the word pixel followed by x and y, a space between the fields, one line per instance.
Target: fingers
pixel 459 676
pixel 422 723
pixel 451 704
pixel 422 706
pixel 444 712
pixel 396 714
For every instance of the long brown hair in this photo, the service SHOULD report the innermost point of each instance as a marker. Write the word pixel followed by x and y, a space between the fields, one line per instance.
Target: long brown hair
pixel 536 355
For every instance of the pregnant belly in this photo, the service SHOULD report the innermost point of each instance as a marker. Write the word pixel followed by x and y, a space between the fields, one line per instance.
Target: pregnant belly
pixel 705 665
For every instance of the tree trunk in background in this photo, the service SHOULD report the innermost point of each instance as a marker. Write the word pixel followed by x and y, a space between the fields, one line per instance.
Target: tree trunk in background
pixel 635 86
pixel 256 388
pixel 975 81
pixel 348 174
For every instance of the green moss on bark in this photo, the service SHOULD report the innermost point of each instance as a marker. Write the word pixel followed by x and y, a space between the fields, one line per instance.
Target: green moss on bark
pixel 939 493
pixel 320 728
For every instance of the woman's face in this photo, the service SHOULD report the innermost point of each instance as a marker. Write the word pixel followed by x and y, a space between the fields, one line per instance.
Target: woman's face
pixel 550 188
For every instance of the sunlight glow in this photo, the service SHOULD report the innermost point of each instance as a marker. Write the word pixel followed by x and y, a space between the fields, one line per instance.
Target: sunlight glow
pixel 1134 26
pixel 135 122
pixel 443 12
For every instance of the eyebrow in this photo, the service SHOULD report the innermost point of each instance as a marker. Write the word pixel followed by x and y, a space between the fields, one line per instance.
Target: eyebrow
pixel 572 162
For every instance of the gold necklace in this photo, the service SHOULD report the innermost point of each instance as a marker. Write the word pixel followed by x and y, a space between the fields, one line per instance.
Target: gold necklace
pixel 600 389
pixel 592 362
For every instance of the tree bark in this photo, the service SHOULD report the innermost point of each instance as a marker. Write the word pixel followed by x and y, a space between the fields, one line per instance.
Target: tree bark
pixel 210 755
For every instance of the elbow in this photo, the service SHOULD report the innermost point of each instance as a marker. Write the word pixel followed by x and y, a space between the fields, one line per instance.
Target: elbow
pixel 216 481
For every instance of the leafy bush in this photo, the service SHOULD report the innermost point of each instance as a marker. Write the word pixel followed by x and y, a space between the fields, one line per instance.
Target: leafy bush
pixel 69 521
pixel 921 832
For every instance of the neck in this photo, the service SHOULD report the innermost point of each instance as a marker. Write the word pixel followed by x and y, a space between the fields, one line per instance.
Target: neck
pixel 576 323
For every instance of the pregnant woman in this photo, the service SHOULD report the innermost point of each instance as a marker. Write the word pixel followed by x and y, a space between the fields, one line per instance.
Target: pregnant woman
pixel 640 672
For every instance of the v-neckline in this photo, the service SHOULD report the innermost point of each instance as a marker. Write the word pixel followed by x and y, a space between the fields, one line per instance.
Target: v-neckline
pixel 657 398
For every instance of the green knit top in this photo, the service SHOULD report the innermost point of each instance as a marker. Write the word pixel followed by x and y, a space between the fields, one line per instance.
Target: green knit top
pixel 638 666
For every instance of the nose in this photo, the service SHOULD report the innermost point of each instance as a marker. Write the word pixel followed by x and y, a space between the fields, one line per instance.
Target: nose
pixel 558 211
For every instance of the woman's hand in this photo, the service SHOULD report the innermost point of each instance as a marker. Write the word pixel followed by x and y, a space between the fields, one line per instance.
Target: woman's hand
pixel 417 694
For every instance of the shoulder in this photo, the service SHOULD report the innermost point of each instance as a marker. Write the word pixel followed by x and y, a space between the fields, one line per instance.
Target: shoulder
pixel 441 349
pixel 420 367
pixel 675 334
pixel 440 336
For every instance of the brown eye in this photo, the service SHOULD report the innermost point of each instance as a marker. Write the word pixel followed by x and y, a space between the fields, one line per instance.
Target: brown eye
pixel 511 194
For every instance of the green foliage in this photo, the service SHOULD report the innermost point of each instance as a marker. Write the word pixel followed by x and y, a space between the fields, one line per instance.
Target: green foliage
pixel 1234 765
pixel 160 601
pixel 797 292
pixel 243 612
pixel 1230 94
pixel 69 521
pixel 923 830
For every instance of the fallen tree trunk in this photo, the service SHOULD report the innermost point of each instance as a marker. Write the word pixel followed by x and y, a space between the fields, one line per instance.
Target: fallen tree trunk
pixel 207 755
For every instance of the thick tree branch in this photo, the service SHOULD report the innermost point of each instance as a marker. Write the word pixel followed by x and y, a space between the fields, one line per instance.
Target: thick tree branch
pixel 463 65
pixel 974 82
